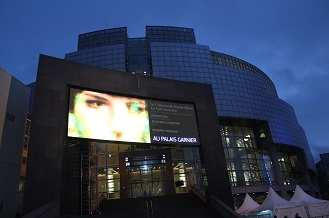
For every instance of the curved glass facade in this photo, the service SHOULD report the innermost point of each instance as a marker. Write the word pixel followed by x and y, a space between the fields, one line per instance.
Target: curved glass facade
pixel 247 164
pixel 241 92
pixel 237 92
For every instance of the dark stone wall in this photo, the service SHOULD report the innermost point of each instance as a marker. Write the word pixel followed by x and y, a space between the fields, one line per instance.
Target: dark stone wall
pixel 48 131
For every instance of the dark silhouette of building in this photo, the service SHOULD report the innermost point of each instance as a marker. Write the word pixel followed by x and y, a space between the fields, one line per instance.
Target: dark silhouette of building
pixel 323 175
pixel 14 98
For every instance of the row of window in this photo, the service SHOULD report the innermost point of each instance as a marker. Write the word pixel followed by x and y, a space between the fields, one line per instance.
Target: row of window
pixel 228 85
pixel 247 164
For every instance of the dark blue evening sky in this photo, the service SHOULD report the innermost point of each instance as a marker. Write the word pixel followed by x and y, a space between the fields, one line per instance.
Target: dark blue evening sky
pixel 288 40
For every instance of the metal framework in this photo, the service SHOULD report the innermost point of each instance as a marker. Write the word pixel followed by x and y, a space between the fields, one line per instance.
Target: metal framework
pixel 89 182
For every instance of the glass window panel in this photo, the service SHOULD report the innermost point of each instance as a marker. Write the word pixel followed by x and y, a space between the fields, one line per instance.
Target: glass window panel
pixel 248 143
pixel 177 154
pixel 233 166
pixel 265 152
pixel 239 142
pixel 135 175
pixel 283 166
pixel 246 131
pixel 221 130
pixel 261 165
pixel 237 131
pixel 101 160
pixel 157 173
pixel 102 186
pixel 191 154
pixel 245 166
pixel 113 159
pixel 146 174
pixel 228 165
pixel 116 184
pixel 253 143
pixel 253 166
pixel 294 161
pixel 233 177
pixel 228 130
pixel 256 177
pixel 250 153
pixel 226 153
pixel 231 152
pixel 258 154
pixel 242 153
pixel 101 173
pixel 124 147
pixel 247 177
pixel 230 142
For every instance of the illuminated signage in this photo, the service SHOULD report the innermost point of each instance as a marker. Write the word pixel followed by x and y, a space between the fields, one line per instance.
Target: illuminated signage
pixel 103 116
pixel 173 123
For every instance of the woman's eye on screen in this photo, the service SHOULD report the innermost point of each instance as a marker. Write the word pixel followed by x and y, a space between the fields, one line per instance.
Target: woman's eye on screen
pixel 135 107
pixel 94 103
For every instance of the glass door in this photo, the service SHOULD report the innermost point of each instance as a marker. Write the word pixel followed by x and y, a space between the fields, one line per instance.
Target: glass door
pixel 145 173
pixel 146 180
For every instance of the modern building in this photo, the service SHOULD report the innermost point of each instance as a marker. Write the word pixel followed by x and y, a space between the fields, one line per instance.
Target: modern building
pixel 264 143
pixel 241 137
pixel 98 133
pixel 323 175
pixel 14 99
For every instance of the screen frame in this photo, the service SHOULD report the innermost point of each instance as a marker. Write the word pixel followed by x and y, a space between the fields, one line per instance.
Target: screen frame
pixel 147 99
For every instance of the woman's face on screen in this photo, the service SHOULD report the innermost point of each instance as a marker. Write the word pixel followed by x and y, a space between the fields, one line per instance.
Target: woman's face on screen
pixel 109 117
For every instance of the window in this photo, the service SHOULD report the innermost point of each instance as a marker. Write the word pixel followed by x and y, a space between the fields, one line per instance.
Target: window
pixel 246 163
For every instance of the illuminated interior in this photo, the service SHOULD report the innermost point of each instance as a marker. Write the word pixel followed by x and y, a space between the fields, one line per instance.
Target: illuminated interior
pixel 145 175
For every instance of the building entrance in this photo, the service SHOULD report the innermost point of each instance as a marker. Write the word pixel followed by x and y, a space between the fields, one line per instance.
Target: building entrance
pixel 146 173
pixel 146 180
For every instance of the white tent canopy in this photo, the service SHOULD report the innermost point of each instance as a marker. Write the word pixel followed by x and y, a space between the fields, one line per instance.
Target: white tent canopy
pixel 280 206
pixel 302 197
pixel 273 200
pixel 316 207
pixel 247 205
pixel 290 211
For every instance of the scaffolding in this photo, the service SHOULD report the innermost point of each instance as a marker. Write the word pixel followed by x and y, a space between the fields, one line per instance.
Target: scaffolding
pixel 89 181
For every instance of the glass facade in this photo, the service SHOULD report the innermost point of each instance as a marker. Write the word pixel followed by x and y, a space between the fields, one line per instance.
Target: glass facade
pixel 247 164
pixel 138 57
pixel 169 34
pixel 238 93
pixel 145 174
pixel 103 38
pixel 110 56
pixel 240 89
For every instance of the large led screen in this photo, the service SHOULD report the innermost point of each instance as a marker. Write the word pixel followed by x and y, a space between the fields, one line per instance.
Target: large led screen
pixel 103 116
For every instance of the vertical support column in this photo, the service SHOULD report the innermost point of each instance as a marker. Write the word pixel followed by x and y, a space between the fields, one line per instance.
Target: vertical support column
pixel 277 170
pixel 123 176
pixel 267 142
pixel 85 179
pixel 71 180
pixel 169 178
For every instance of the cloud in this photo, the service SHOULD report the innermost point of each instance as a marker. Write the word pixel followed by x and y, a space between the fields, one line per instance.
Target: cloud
pixel 317 150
